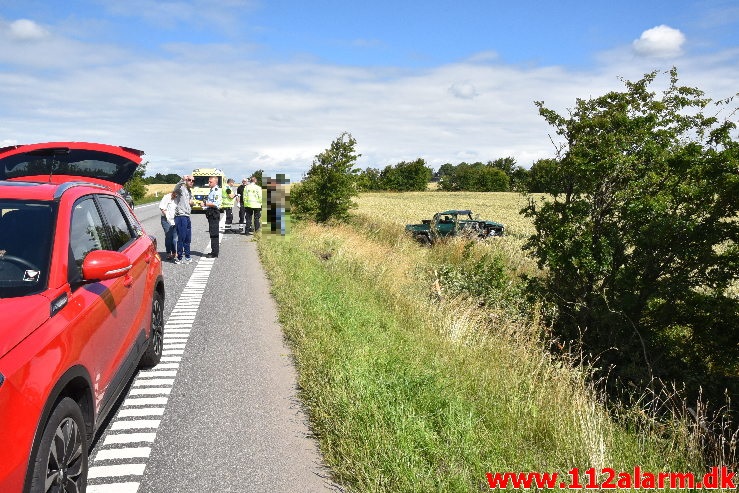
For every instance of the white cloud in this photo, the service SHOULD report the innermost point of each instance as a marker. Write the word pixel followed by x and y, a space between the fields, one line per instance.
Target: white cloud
pixel 201 105
pixel 26 30
pixel 463 90
pixel 660 42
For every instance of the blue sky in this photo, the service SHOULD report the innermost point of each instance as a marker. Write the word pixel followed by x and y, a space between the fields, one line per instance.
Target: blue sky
pixel 248 84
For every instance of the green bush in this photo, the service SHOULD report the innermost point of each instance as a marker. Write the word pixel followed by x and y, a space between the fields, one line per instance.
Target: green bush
pixel 329 186
pixel 640 245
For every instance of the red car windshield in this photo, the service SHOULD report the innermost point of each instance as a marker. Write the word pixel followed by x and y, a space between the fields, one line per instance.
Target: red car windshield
pixel 26 232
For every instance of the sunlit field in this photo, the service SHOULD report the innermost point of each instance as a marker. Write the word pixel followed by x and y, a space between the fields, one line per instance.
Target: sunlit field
pixel 411 207
pixel 159 188
pixel 504 207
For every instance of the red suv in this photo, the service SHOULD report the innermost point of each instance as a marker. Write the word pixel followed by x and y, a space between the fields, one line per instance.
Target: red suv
pixel 81 306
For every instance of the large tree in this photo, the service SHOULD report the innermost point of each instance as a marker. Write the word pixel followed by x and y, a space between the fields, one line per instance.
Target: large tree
pixel 331 183
pixel 406 177
pixel 639 242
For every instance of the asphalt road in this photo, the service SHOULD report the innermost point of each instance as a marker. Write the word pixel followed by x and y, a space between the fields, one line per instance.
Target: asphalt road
pixel 220 412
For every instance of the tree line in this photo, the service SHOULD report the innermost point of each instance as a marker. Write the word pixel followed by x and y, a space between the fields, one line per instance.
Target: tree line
pixel 499 175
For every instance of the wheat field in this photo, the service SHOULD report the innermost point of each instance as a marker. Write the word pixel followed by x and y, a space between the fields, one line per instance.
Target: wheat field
pixel 411 207
pixel 504 207
pixel 159 188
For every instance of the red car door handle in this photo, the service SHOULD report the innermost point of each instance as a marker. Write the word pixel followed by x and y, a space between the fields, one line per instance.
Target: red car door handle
pixel 128 280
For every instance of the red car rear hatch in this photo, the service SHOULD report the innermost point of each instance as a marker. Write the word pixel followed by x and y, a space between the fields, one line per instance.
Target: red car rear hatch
pixel 60 162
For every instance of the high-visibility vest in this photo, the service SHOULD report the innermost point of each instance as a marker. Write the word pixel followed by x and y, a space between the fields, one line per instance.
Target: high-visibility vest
pixel 228 200
pixel 253 196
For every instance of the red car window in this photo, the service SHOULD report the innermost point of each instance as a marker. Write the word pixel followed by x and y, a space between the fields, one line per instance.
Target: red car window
pixel 120 232
pixel 87 233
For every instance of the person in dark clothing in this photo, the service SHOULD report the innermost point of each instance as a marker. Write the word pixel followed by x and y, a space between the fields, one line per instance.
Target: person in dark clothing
pixel 213 214
pixel 240 200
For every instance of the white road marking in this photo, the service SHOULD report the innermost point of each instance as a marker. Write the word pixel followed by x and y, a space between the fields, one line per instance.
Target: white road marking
pixel 142 411
pixel 123 453
pixel 157 374
pixel 113 488
pixel 154 381
pixel 138 424
pixel 116 470
pixel 148 395
pixel 145 401
pixel 130 438
pixel 150 391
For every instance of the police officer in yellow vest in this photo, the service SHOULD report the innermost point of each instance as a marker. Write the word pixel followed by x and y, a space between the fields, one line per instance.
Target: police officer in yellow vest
pixel 252 205
pixel 228 201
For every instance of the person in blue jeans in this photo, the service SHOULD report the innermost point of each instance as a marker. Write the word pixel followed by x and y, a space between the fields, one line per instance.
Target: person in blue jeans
pixel 183 208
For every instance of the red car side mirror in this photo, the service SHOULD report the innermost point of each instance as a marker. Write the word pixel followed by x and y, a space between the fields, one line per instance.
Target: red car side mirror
pixel 100 265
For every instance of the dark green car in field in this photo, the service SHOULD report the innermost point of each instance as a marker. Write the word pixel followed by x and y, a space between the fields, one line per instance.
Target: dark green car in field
pixel 454 223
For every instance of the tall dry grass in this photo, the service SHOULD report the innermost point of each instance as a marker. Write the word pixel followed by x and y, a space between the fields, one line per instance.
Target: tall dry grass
pixel 655 413
pixel 547 403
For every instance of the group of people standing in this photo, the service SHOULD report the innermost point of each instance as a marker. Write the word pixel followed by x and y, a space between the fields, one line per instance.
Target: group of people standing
pixel 250 206
pixel 176 208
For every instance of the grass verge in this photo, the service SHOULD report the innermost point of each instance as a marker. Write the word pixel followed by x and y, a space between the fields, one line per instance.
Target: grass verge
pixel 410 392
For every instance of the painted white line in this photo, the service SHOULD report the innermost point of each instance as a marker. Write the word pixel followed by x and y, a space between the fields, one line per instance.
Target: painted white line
pixel 145 411
pixel 153 381
pixel 169 365
pixel 123 453
pixel 157 374
pixel 113 488
pixel 130 438
pixel 139 424
pixel 150 391
pixel 145 401
pixel 117 470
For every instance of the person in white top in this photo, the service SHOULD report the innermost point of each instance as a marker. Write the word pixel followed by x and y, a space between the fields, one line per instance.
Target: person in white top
pixel 167 206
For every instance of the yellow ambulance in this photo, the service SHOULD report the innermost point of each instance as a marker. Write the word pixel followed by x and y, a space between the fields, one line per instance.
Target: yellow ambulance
pixel 200 186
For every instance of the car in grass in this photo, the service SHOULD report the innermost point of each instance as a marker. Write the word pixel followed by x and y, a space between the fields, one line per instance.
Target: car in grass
pixel 82 304
pixel 455 222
